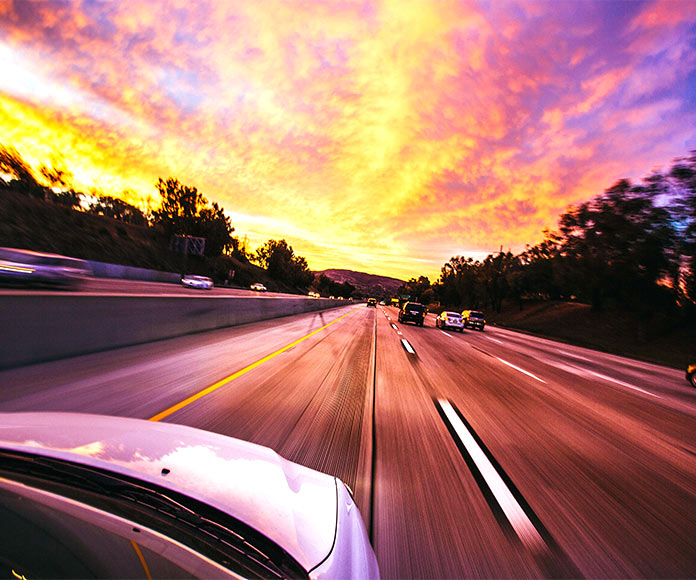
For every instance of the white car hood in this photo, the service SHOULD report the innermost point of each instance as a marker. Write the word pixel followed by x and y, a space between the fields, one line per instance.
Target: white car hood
pixel 293 505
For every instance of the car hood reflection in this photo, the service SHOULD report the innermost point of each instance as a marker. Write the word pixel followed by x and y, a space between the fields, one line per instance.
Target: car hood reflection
pixel 293 505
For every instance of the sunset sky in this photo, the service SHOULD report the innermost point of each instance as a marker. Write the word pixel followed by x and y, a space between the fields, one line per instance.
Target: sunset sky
pixel 383 137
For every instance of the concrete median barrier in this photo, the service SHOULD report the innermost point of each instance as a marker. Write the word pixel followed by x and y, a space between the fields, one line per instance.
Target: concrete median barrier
pixel 48 327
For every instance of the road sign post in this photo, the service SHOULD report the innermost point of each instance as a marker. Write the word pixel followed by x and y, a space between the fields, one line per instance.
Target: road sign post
pixel 187 245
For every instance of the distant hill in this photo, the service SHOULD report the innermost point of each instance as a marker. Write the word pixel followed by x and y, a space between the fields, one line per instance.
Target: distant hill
pixel 368 284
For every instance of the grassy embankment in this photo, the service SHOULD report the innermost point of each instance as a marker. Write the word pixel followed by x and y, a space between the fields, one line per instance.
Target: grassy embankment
pixel 660 340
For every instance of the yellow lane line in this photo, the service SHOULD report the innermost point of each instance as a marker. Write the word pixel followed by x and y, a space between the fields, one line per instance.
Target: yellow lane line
pixel 245 370
pixel 142 560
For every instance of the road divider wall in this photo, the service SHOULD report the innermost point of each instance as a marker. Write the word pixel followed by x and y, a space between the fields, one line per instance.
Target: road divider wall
pixel 49 327
pixel 104 270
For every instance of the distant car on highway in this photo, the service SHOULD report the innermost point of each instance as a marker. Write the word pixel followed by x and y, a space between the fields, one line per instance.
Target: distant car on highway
pixel 96 496
pixel 474 319
pixel 413 312
pixel 449 319
pixel 192 281
pixel 691 374
pixel 258 287
pixel 372 302
pixel 382 303
pixel 313 294
pixel 29 268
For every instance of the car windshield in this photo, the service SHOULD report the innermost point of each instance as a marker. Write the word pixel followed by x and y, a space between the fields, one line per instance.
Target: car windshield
pixel 474 314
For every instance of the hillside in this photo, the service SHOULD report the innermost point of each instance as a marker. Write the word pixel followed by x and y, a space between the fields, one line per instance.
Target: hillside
pixel 661 340
pixel 35 224
pixel 368 284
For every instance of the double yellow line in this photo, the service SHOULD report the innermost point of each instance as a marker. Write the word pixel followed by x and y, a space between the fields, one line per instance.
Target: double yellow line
pixel 245 370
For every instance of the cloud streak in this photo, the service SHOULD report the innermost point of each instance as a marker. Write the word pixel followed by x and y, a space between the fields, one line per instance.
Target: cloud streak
pixel 379 136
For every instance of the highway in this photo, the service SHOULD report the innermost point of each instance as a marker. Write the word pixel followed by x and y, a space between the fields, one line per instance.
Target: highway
pixel 477 454
pixel 116 287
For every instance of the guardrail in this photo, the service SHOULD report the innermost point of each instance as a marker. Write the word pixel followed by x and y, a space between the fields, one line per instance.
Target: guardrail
pixel 48 327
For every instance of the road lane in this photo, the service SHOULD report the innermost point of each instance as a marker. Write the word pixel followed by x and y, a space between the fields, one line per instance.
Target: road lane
pixel 431 519
pixel 142 380
pixel 609 473
pixel 310 404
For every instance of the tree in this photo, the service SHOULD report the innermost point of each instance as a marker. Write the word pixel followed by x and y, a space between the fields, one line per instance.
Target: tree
pixel 117 209
pixel 680 185
pixel 282 264
pixel 18 174
pixel 415 287
pixel 185 211
pixel 328 287
pixel 57 176
pixel 620 245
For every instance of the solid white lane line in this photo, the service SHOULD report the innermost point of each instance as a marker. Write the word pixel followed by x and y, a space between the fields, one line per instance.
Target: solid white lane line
pixel 521 370
pixel 586 372
pixel 407 346
pixel 571 355
pixel 446 334
pixel 519 521
pixel 623 384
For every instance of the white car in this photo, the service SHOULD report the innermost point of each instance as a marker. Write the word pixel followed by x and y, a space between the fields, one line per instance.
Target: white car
pixel 448 319
pixel 258 287
pixel 88 495
pixel 192 281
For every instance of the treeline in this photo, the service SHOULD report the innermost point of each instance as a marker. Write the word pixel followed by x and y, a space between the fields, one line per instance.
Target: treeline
pixel 328 287
pixel 632 248
pixel 182 211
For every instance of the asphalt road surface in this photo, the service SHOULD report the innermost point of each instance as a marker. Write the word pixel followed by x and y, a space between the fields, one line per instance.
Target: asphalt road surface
pixel 473 454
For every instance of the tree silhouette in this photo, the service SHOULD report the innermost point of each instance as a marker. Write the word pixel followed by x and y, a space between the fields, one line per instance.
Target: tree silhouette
pixel 282 264
pixel 185 211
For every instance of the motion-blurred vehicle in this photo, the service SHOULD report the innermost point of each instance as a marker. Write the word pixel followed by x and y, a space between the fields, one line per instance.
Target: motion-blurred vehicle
pixel 28 268
pixel 372 302
pixel 258 287
pixel 473 319
pixel 84 496
pixel 691 374
pixel 193 281
pixel 448 319
pixel 313 294
pixel 413 312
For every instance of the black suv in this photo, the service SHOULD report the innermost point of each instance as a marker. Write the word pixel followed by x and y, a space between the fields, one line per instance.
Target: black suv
pixel 413 312
pixel 473 318
pixel 372 302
